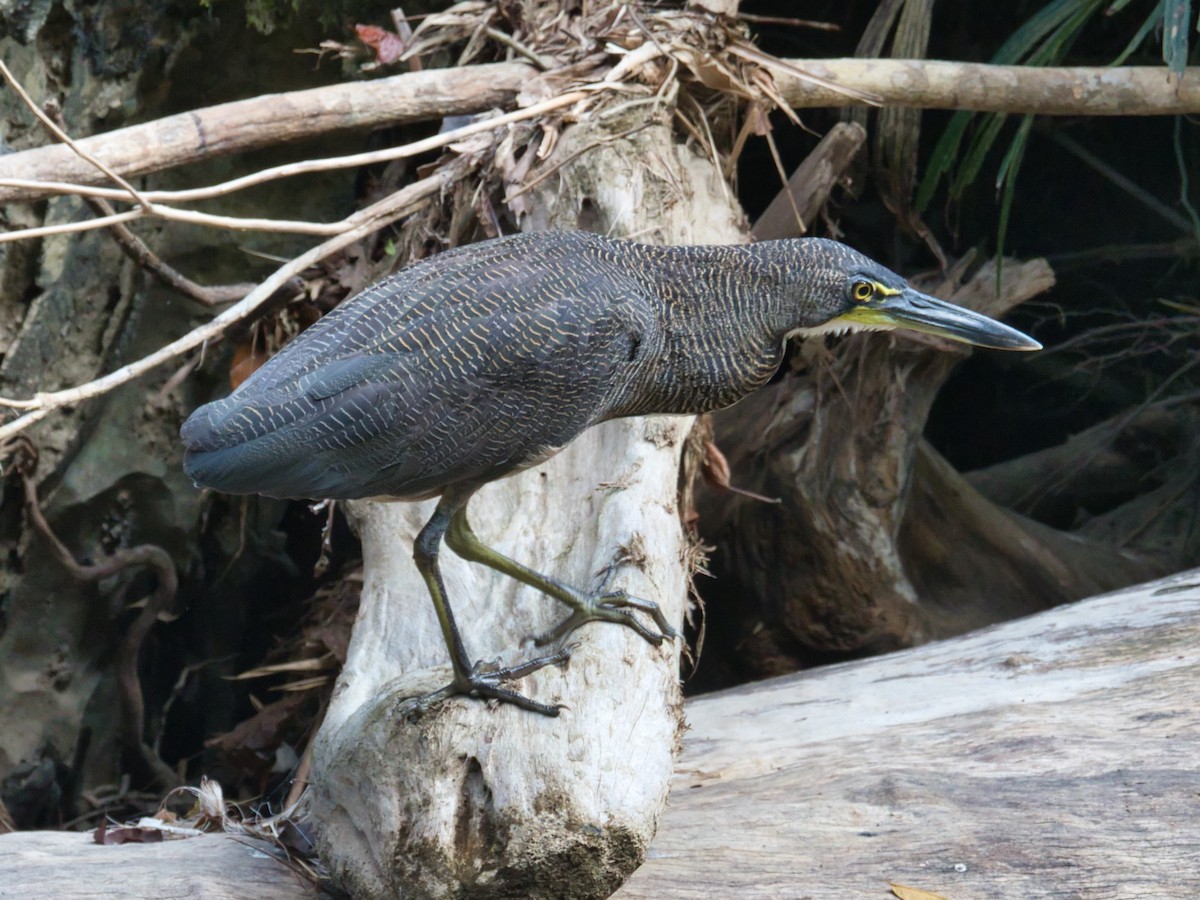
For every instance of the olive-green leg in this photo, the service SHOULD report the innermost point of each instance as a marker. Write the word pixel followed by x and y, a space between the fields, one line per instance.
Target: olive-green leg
pixel 469 678
pixel 597 606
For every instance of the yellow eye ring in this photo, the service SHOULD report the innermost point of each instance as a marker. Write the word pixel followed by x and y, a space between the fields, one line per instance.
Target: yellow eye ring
pixel 863 291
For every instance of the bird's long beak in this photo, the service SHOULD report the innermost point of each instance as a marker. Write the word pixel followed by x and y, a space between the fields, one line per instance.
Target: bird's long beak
pixel 919 312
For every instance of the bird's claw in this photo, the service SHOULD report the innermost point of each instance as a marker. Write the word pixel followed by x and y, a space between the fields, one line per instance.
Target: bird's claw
pixel 486 680
pixel 613 606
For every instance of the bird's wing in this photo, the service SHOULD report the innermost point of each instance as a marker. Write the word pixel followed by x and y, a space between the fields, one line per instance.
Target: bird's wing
pixel 462 378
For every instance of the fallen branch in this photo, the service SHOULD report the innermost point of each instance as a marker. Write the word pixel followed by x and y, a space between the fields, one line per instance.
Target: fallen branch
pixel 418 96
pixel 269 120
pixel 1043 757
pixel 1043 752
pixel 1039 90
pixel 404 151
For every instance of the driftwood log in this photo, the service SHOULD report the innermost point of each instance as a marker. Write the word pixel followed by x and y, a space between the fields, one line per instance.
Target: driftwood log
pixel 71 866
pixel 929 84
pixel 1047 757
pixel 467 797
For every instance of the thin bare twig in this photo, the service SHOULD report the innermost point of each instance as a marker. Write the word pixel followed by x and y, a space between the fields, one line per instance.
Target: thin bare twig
pixel 70 227
pixel 801 225
pixel 517 47
pixel 364 222
pixel 784 20
pixel 319 165
pixel 137 250
pixel 66 138
pixel 710 146
pixel 191 217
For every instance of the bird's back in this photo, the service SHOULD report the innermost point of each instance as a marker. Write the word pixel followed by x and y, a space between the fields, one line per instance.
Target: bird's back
pixel 463 367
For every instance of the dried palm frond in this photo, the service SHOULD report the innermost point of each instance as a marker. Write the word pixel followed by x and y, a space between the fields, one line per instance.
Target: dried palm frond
pixel 687 65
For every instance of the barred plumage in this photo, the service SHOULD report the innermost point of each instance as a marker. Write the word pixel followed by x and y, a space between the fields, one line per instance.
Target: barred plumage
pixel 489 358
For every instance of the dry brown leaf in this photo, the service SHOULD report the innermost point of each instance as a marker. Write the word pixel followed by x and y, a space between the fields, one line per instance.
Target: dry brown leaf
pixel 126 834
pixel 912 893
pixel 710 71
pixel 715 471
pixel 246 360
pixel 758 119
pixel 305 684
pixel 250 746
pixel 387 45
pixel 716 466
pixel 308 664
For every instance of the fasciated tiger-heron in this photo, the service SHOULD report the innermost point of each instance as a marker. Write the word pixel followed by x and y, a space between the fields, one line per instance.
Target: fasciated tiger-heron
pixel 488 359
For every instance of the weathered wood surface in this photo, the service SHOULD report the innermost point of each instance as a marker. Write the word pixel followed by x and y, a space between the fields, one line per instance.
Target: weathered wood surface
pixel 37 865
pixel 1054 756
pixel 1050 757
pixel 481 799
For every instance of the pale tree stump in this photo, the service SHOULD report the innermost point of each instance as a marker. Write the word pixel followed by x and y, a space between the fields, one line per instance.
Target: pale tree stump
pixel 468 797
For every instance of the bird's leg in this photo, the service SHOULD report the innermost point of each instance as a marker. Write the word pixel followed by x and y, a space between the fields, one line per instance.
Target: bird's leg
pixel 595 606
pixel 475 679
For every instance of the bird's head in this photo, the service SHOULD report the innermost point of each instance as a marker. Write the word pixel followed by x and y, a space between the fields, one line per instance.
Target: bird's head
pixel 841 290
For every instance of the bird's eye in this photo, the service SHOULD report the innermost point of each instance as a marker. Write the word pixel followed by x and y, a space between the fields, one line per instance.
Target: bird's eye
pixel 863 291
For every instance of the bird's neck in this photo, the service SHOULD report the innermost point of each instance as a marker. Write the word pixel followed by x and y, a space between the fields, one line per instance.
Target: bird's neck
pixel 723 323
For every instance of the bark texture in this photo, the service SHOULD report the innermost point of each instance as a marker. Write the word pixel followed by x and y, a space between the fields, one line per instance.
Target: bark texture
pixel 467 799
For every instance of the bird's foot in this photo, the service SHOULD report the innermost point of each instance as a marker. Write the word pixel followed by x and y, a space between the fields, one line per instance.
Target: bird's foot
pixel 612 606
pixel 486 680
